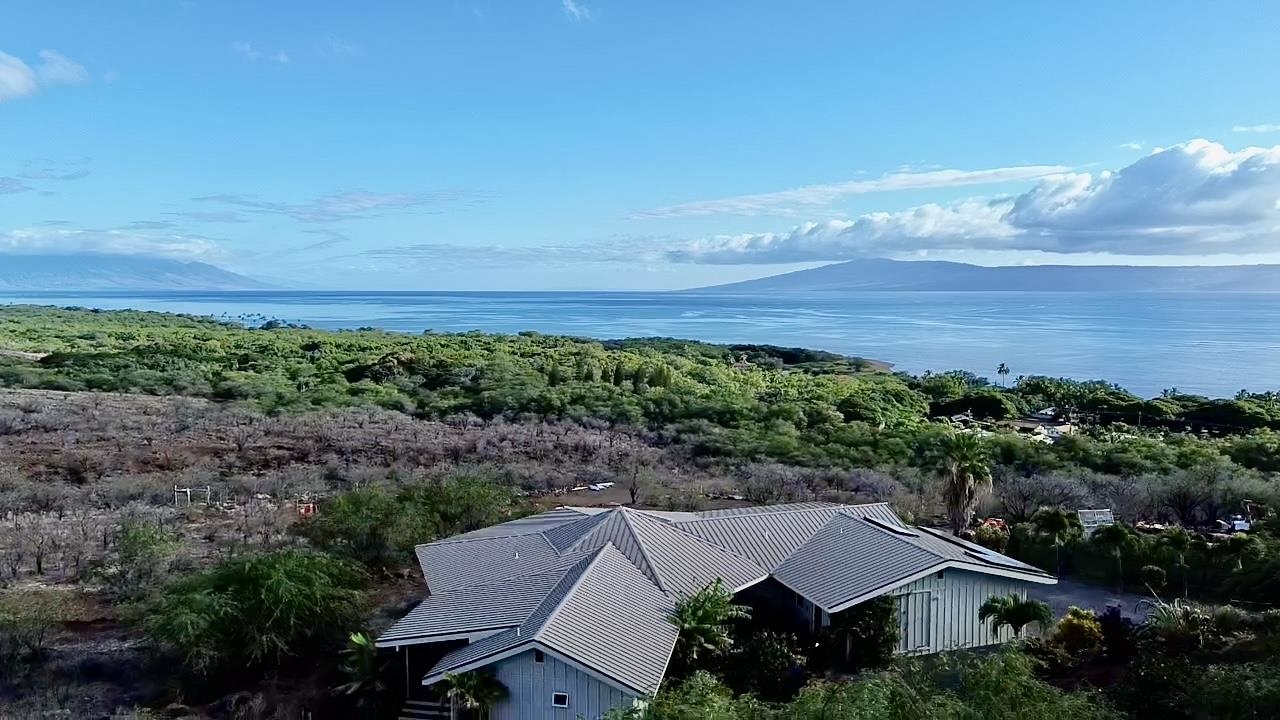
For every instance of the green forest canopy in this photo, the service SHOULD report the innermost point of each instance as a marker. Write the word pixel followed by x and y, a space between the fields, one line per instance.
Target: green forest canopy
pixel 796 405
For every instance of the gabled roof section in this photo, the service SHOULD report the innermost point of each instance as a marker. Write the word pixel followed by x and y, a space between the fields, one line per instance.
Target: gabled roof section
pixel 488 607
pixel 848 558
pixel 686 563
pixel 678 562
pixel 769 534
pixel 603 614
pixel 453 564
pixel 851 558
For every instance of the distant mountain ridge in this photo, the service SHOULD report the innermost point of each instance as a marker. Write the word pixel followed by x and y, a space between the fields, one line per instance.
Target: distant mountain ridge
pixel 89 271
pixel 926 275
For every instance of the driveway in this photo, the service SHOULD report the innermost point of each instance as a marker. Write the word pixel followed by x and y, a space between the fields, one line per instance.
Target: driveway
pixel 1091 597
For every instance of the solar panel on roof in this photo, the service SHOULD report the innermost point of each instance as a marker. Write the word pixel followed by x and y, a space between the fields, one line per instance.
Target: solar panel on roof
pixel 993 558
pixel 895 529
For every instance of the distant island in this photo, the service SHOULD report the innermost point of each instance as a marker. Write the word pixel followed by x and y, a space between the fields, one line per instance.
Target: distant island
pixel 899 275
pixel 90 271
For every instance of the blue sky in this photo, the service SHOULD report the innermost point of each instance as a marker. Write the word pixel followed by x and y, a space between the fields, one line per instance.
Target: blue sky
pixel 602 144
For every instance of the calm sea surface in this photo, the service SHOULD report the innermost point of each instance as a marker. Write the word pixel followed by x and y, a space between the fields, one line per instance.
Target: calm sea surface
pixel 1206 343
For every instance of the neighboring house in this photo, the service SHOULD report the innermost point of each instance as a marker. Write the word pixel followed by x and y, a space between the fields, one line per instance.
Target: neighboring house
pixel 1041 430
pixel 569 608
pixel 1091 520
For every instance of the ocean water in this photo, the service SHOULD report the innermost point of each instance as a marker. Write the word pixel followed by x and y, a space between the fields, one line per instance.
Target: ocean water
pixel 1206 343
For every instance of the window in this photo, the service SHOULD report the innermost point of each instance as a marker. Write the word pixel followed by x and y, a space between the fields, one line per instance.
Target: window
pixel 538 656
pixel 560 699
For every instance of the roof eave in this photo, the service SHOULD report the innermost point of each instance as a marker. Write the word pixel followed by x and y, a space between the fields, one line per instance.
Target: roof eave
pixel 949 565
pixel 534 644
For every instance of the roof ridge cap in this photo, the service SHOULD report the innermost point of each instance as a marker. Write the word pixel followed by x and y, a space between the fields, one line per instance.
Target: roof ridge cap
pixel 778 510
pixel 644 553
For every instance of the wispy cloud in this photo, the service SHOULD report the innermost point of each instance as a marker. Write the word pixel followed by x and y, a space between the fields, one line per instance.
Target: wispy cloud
pixel 39 171
pixel 18 79
pixel 1263 128
pixel 210 216
pixel 332 238
pixel 793 202
pixel 340 49
pixel 249 52
pixel 1131 146
pixel 575 10
pixel 53 170
pixel 150 225
pixel 58 69
pixel 342 206
pixel 629 249
pixel 11 185
pixel 120 241
pixel 1197 198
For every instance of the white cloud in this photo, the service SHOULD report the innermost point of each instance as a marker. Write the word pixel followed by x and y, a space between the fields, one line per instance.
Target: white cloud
pixel 1197 198
pixel 1263 128
pixel 1131 146
pixel 791 202
pixel 575 10
pixel 121 241
pixel 249 52
pixel 58 69
pixel 16 78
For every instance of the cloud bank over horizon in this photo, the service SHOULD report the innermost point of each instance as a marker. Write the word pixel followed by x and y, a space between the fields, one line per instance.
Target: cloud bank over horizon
pixel 1195 198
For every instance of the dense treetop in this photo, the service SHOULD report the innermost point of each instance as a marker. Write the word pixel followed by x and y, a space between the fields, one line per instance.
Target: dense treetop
pixel 756 401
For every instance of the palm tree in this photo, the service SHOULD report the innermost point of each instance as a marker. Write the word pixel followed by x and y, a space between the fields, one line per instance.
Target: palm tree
pixel 474 690
pixel 1003 371
pixel 1115 539
pixel 1058 524
pixel 1015 611
pixel 965 469
pixel 363 672
pixel 703 620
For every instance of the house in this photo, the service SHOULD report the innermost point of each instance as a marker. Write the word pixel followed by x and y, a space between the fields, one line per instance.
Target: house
pixel 1040 430
pixel 569 608
pixel 1091 520
pixel 1047 414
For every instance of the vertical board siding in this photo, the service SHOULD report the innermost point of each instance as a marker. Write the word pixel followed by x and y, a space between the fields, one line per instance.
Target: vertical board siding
pixel 941 613
pixel 531 685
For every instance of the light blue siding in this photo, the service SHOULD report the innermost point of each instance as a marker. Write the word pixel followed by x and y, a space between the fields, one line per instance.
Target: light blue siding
pixel 531 685
pixel 941 613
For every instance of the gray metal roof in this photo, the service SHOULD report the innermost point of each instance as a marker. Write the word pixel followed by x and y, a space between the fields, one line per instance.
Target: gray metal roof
pixel 604 613
pixel 597 584
pixel 766 509
pixel 769 534
pixel 527 525
pixel 853 556
pixel 454 564
pixel 684 563
pixel 678 562
pixel 477 608
pixel 848 558
pixel 961 550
